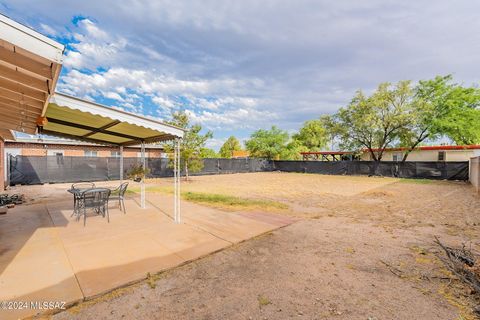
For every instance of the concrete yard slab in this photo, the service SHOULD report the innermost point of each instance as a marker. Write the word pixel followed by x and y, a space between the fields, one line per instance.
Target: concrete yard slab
pixel 229 226
pixel 186 241
pixel 118 261
pixel 47 255
pixel 33 263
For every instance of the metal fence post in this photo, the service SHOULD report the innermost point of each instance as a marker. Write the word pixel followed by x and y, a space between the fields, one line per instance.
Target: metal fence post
pixel 121 164
pixel 142 185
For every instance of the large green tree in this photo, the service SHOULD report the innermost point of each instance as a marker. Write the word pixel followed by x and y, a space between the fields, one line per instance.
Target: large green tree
pixel 208 153
pixel 269 144
pixel 442 109
pixel 192 145
pixel 229 146
pixel 312 135
pixel 373 122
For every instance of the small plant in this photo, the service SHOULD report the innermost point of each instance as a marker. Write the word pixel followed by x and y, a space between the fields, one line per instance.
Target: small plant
pixel 137 172
pixel 151 281
pixel 263 301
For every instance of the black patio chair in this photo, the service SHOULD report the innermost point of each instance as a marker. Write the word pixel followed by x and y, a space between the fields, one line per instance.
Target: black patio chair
pixel 83 185
pixel 119 194
pixel 77 195
pixel 96 199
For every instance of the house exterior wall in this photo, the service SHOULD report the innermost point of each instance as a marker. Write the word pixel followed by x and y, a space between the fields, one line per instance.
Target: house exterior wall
pixel 39 149
pixel 426 155
pixel 240 154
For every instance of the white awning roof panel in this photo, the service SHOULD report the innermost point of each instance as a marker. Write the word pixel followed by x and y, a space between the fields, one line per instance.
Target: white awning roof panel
pixel 74 118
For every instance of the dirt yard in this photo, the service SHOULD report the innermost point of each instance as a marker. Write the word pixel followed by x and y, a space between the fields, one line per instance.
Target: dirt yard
pixel 363 249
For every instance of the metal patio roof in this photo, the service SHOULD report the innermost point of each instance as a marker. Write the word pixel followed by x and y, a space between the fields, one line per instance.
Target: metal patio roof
pixel 78 119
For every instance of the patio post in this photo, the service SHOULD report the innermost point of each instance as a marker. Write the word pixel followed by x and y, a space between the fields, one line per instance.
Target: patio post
pixel 121 164
pixel 142 183
pixel 175 180
pixel 179 175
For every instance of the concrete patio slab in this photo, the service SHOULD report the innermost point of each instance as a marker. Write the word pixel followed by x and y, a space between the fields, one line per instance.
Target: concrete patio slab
pixel 230 226
pixel 47 255
pixel 33 263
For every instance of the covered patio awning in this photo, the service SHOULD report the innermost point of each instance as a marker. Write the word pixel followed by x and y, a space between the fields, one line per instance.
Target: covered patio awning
pixel 74 118
pixel 30 64
pixel 79 119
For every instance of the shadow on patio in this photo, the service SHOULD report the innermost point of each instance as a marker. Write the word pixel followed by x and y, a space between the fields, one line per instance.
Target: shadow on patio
pixel 46 255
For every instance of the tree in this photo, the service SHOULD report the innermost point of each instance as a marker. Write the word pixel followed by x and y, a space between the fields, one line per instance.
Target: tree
pixel 208 153
pixel 457 109
pixel 267 144
pixel 443 108
pixel 373 122
pixel 192 143
pixel 292 151
pixel 313 135
pixel 232 144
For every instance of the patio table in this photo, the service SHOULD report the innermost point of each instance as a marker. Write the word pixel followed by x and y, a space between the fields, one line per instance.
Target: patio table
pixel 95 198
pixel 77 197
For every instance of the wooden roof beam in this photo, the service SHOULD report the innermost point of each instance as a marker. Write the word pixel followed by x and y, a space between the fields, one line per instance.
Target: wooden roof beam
pixel 17 60
pixel 24 79
pixel 13 123
pixel 16 103
pixel 22 117
pixel 22 90
pixel 20 108
pixel 15 97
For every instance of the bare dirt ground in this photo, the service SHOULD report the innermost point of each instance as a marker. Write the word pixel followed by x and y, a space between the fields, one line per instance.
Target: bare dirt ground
pixel 363 250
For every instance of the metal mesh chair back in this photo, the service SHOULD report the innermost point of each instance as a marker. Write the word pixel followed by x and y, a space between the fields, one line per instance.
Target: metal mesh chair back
pixel 119 194
pixel 122 189
pixel 95 197
pixel 83 185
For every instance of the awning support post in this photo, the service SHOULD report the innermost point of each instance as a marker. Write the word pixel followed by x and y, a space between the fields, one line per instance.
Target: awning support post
pixel 142 182
pixel 178 183
pixel 176 180
pixel 121 164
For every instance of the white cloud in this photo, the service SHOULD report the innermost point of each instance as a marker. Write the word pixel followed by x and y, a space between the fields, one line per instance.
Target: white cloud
pixel 242 65
pixel 163 102
pixel 240 118
pixel 93 31
pixel 215 143
pixel 113 95
pixel 94 47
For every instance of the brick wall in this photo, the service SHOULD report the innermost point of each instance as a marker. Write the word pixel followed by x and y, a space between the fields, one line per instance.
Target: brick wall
pixel 39 149
pixel 74 153
pixel 34 152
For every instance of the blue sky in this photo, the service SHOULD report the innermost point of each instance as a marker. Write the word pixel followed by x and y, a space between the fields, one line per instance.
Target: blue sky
pixel 237 66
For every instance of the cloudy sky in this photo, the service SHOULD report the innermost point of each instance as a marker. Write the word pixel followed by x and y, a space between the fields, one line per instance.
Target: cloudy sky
pixel 237 66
